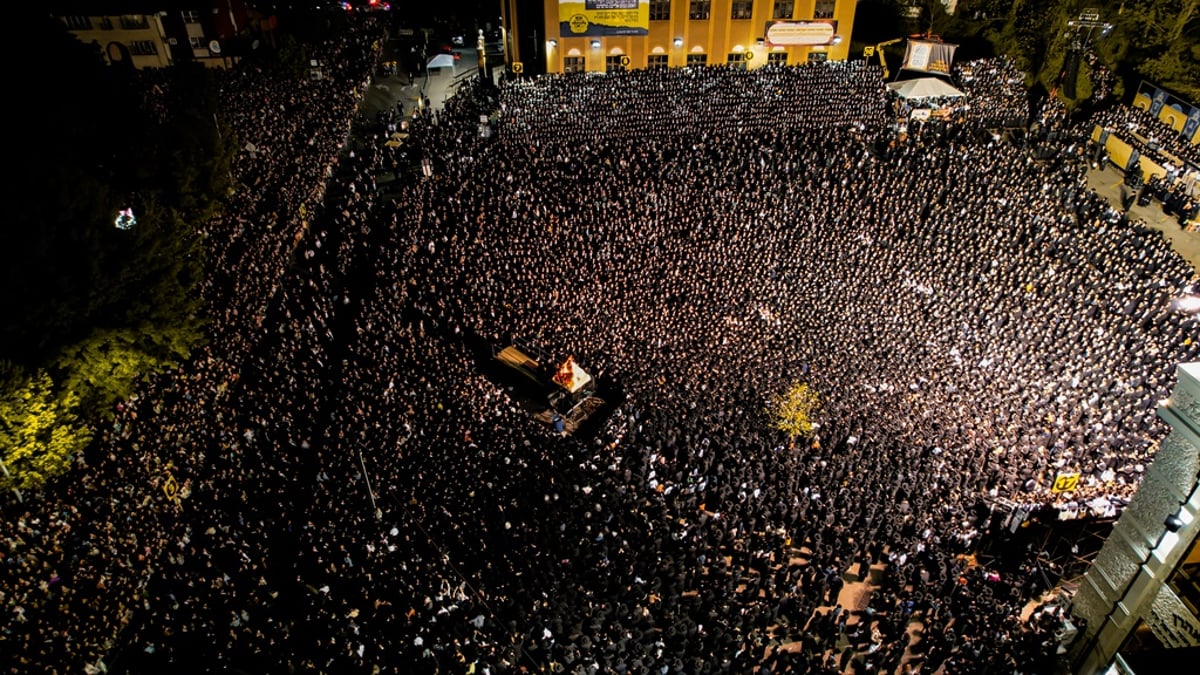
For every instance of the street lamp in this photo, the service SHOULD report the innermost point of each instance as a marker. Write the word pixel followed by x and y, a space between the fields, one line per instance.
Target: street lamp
pixel 1085 26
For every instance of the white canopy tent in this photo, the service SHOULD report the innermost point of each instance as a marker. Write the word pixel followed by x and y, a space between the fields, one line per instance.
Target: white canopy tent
pixel 441 61
pixel 924 87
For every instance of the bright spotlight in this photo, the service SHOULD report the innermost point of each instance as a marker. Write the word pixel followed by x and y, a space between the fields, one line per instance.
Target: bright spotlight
pixel 1186 304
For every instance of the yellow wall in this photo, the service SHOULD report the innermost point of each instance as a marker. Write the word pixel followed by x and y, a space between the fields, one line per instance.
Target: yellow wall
pixel 1168 116
pixel 717 37
pixel 1119 152
pixel 108 37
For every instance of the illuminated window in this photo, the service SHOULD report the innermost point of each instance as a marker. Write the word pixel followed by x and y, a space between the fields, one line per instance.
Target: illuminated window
pixel 824 9
pixel 574 64
pixel 656 62
pixel 143 48
pixel 77 22
pixel 660 10
pixel 197 42
pixel 699 9
pixel 697 60
pixel 190 16
pixel 742 9
pixel 736 60
pixel 777 59
pixel 784 9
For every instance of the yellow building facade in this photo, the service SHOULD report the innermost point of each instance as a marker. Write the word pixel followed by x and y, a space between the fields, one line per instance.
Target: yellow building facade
pixel 138 39
pixel 609 35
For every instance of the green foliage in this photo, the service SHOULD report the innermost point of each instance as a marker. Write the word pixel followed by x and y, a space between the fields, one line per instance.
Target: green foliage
pixel 1156 40
pixel 101 308
pixel 120 139
pixel 105 368
pixel 39 431
pixel 288 60
pixel 792 412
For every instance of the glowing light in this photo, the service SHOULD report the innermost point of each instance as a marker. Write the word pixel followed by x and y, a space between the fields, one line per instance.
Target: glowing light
pixel 1188 304
pixel 125 219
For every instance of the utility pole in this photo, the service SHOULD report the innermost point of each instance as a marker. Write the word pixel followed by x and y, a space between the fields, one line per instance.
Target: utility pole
pixel 12 485
pixel 370 491
pixel 1084 27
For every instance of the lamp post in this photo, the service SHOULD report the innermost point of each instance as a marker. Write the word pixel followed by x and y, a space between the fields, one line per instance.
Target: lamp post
pixel 11 484
pixel 1085 27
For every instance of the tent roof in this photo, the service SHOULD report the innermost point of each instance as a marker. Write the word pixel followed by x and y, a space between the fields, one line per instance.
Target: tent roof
pixel 923 87
pixel 441 61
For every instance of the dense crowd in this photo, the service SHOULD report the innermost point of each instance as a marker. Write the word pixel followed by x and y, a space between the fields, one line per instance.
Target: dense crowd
pixel 76 563
pixel 359 497
pixel 1151 137
pixel 996 93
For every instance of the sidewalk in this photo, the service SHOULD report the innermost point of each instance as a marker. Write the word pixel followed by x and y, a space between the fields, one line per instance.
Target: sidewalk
pixel 1108 184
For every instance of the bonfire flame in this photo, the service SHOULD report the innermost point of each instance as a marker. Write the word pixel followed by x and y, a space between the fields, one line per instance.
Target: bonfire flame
pixel 565 375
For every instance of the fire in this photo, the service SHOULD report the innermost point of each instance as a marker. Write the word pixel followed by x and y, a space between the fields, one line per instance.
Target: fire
pixel 565 375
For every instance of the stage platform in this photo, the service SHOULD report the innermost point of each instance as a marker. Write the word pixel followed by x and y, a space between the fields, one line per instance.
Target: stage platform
pixel 562 397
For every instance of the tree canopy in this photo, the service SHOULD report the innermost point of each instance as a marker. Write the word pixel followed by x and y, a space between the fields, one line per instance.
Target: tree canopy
pixel 792 412
pixel 1153 40
pixel 92 308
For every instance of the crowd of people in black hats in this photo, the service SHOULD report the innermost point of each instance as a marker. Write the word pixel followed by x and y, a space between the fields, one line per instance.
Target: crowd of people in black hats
pixel 356 495
pixel 1150 135
pixel 77 563
pixel 1175 188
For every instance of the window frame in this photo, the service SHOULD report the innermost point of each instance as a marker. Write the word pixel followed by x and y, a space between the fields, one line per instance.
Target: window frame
pixel 660 10
pixel 142 48
pixel 699 10
pixel 574 64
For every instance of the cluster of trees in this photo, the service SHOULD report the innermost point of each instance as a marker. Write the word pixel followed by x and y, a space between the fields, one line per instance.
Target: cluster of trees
pixel 91 309
pixel 1153 40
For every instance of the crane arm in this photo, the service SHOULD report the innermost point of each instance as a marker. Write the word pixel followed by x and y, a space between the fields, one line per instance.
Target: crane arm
pixel 873 50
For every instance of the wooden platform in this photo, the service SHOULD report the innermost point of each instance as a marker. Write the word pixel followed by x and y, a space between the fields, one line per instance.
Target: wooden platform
pixel 521 362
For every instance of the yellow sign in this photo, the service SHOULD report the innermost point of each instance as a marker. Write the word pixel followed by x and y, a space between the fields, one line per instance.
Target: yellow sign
pixel 625 60
pixel 599 18
pixel 518 67
pixel 801 32
pixel 578 24
pixel 1065 482
pixel 749 56
pixel 171 488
